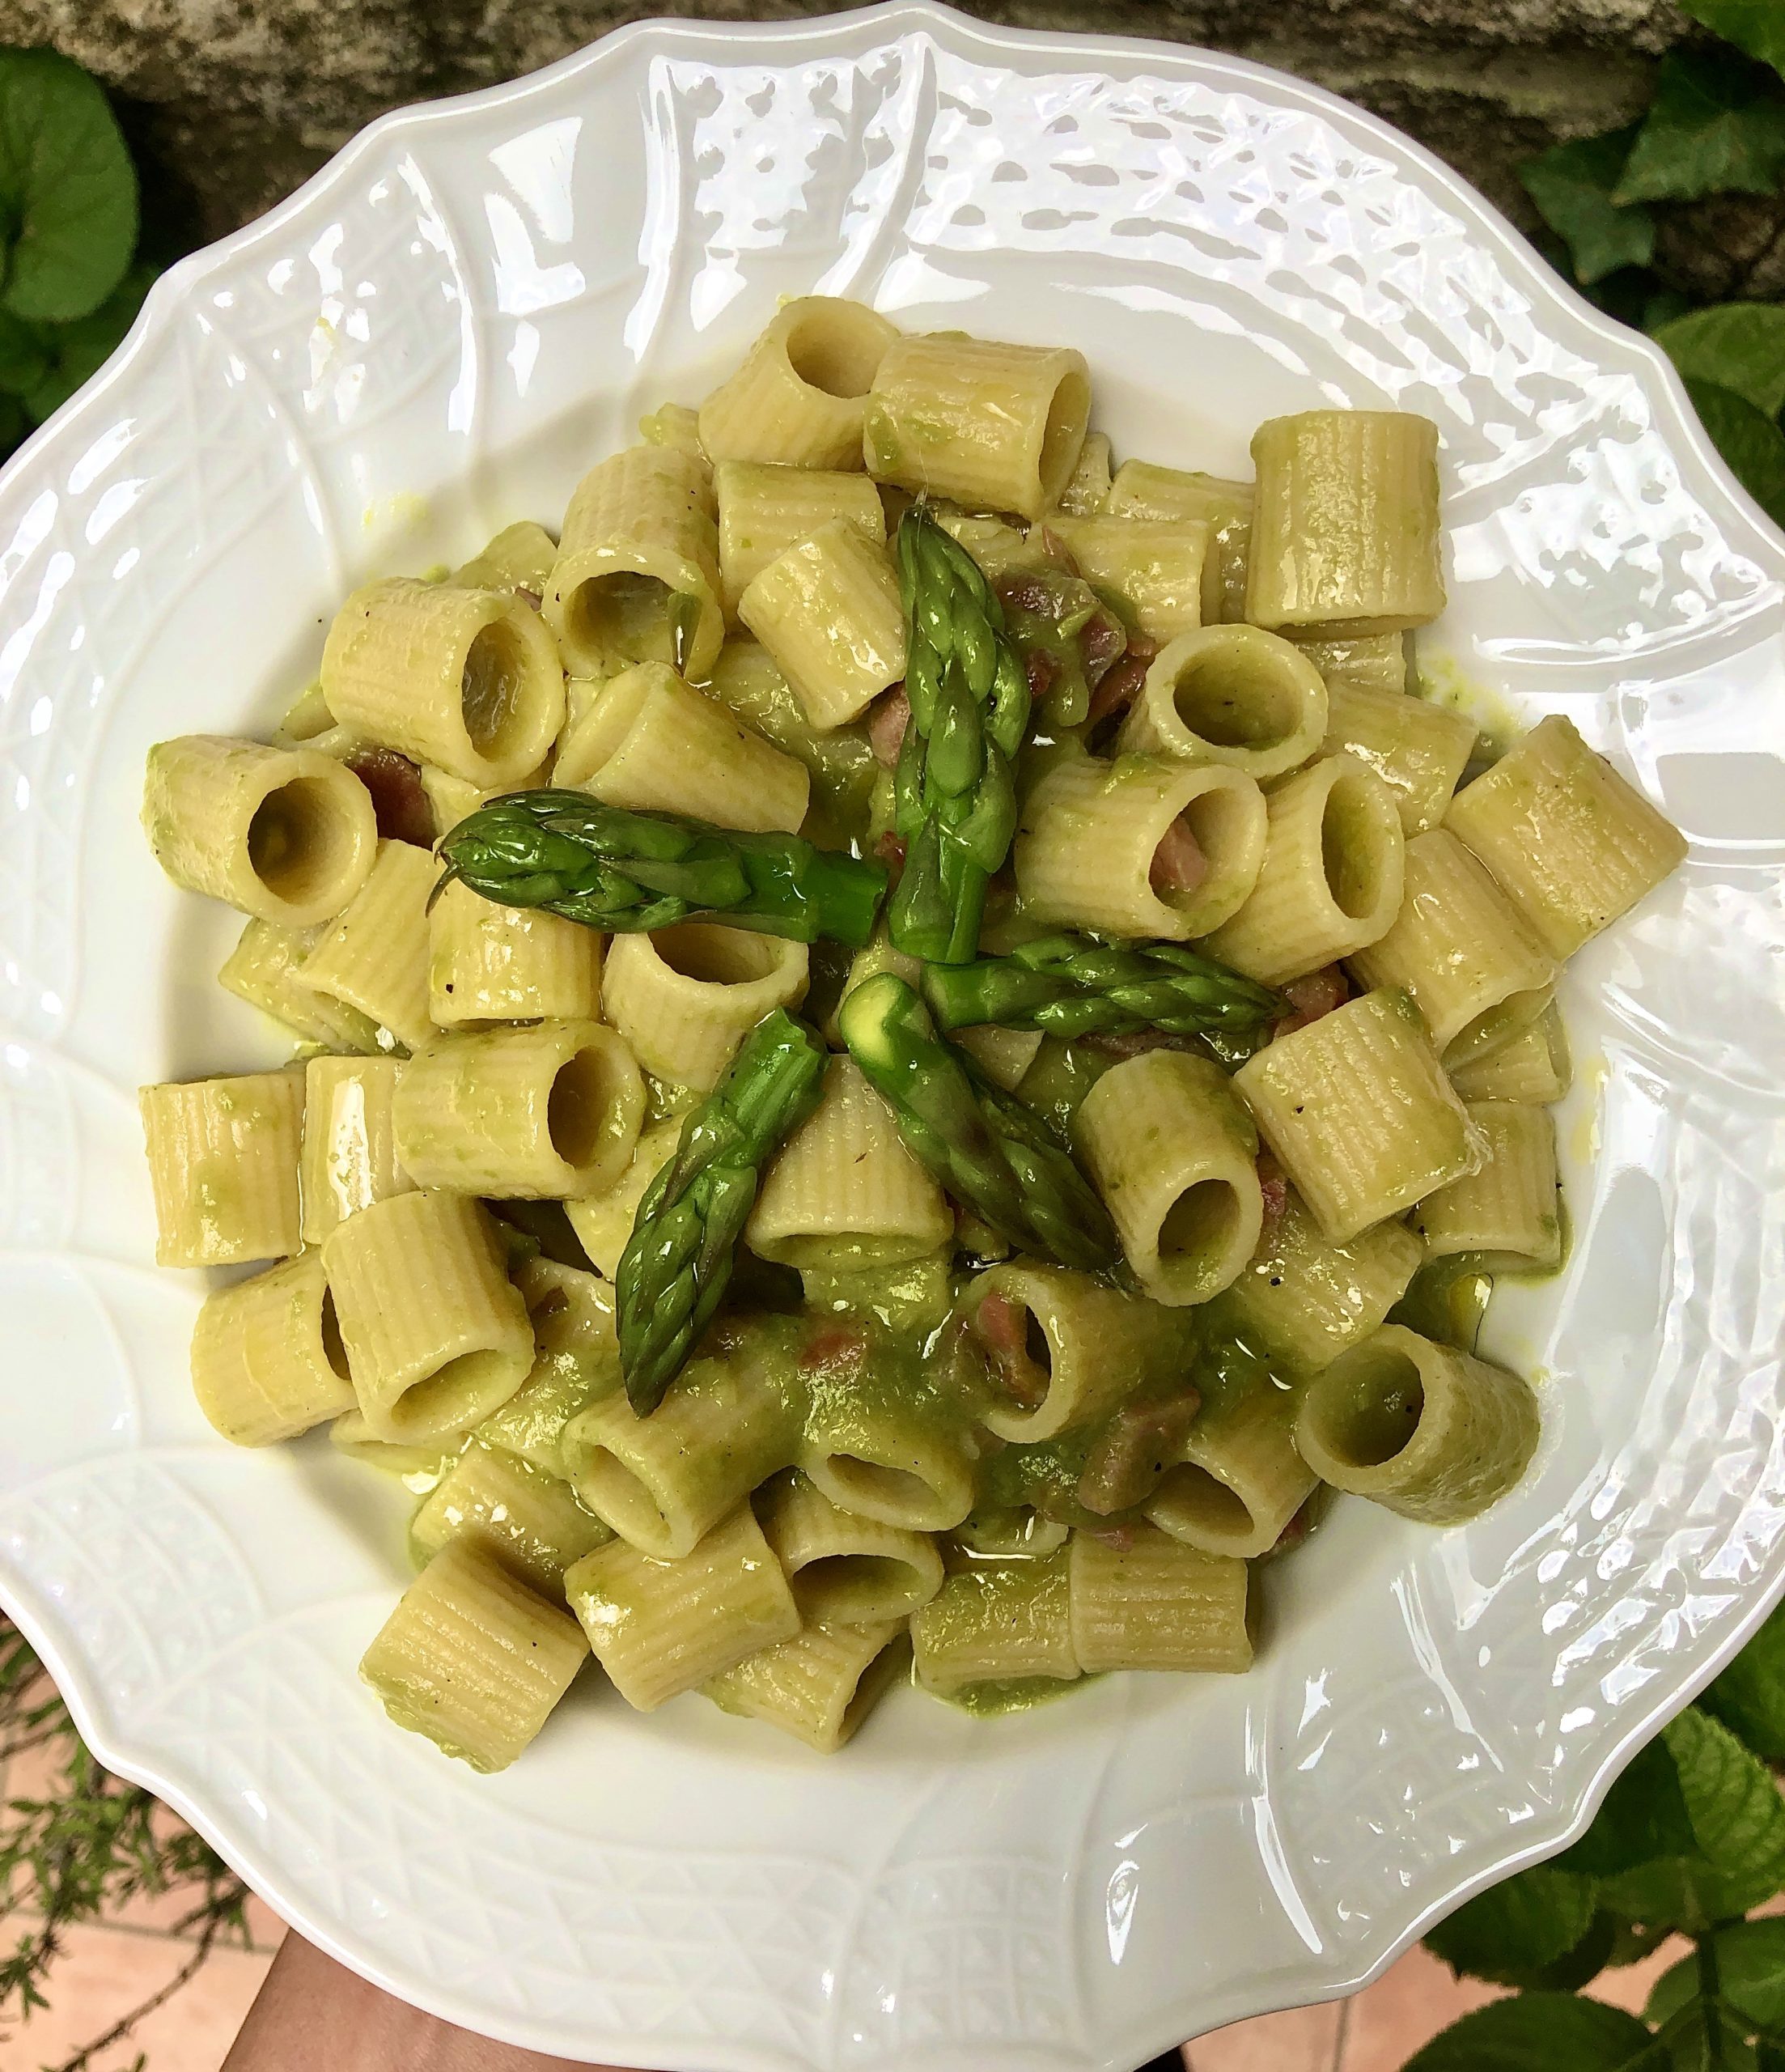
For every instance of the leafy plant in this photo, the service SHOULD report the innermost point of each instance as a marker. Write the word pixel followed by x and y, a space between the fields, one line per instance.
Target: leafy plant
pixel 1714 131
pixel 87 1849
pixel 1690 1840
pixel 69 221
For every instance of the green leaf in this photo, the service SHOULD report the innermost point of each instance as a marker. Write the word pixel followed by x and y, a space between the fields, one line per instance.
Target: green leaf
pixel 1543 2033
pixel 1716 127
pixel 1740 346
pixel 26 354
pixel 1705 2037
pixel 1572 186
pixel 1676 1985
pixel 68 190
pixel 83 347
pixel 1751 1971
pixel 1643 1817
pixel 1512 1933
pixel 1749 1696
pixel 14 423
pixel 1737 1816
pixel 1755 26
pixel 1750 442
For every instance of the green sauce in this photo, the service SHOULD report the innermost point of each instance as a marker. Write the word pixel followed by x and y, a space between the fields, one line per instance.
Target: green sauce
pixel 1015 1694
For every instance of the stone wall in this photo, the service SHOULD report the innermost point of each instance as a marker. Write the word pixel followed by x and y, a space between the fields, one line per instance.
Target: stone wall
pixel 233 102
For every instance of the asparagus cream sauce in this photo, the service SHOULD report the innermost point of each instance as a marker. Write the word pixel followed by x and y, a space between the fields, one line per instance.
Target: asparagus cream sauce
pixel 914 1042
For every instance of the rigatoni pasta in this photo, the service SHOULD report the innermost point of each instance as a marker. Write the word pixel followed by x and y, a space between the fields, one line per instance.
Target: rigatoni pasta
pixel 223 1164
pixel 651 742
pixel 467 680
pixel 908 1122
pixel 285 834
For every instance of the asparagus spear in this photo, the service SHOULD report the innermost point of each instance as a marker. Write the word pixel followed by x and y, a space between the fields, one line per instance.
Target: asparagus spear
pixel 995 1155
pixel 620 870
pixel 955 792
pixel 1073 985
pixel 684 1237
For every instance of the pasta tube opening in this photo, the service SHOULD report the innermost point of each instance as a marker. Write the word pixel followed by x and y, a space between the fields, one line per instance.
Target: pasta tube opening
pixel 301 844
pixel 832 349
pixel 849 1589
pixel 1234 695
pixel 622 613
pixel 588 1090
pixel 1428 1432
pixel 1199 1508
pixel 713 955
pixel 493 694
pixel 1355 851
pixel 287 835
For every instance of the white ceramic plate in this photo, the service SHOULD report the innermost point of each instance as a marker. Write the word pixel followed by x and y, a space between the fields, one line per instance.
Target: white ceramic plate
pixel 470 305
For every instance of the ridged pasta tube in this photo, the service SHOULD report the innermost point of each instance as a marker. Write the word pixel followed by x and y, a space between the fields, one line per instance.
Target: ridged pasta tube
pixel 519 558
pixel 1331 878
pixel 263 969
pixel 1532 1066
pixel 725 1424
pixel 375 956
pixel 845 1570
pixel 488 962
pixel 474 1659
pixel 1086 853
pixel 1234 695
pixel 1509 1208
pixel 995 427
pixel 1143 490
pixel 1154 565
pixel 1572 844
pixel 686 997
pixel 661 1628
pixel 267 1361
pixel 995 1622
pixel 828 612
pixel 285 834
pixel 349 1158
pixel 603 1222
pixel 636 577
pixel 467 680
pixel 436 1334
pixel 1345 531
pixel 1157 1604
pixel 1241 1479
pixel 1175 1157
pixel 1071 1348
pixel 1359 1113
pixel 819 1686
pixel 533 1113
pixel 766 510
pixel 799 397
pixel 1302 1302
pixel 224 1167
pixel 844 1186
pixel 525 1518
pixel 887 1459
pixel 1423 1429
pixel 1418 749
pixel 652 744
pixel 1460 948
pixel 1375 662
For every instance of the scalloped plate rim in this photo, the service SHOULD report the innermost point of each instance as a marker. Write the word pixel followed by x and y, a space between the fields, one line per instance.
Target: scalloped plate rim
pixel 1098 51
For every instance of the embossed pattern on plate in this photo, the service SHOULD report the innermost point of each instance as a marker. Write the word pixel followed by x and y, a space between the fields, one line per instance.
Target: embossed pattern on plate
pixel 473 303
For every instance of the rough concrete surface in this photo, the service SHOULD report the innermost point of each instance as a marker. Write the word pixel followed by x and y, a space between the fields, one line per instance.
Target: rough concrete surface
pixel 233 102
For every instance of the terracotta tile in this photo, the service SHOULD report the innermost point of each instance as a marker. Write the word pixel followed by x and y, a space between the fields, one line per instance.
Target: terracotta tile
pixel 105 1971
pixel 1299 2040
pixel 1407 2007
